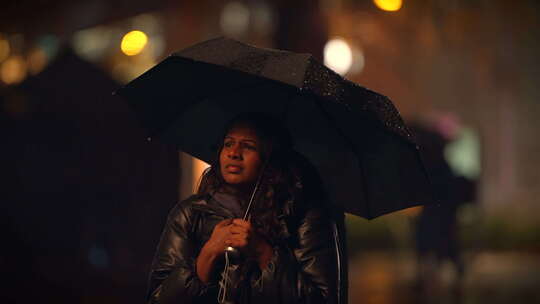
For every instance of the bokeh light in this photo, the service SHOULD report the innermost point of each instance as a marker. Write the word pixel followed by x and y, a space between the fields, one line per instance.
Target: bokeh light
pixel 463 154
pixel 37 60
pixel 338 55
pixel 13 70
pixel 234 19
pixel 49 44
pixel 92 44
pixel 389 5
pixel 4 49
pixel 133 43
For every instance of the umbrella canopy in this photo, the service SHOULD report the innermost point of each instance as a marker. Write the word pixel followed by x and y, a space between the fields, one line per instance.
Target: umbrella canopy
pixel 367 158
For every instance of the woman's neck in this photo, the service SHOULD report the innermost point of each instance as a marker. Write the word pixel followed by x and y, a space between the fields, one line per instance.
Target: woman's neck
pixel 242 192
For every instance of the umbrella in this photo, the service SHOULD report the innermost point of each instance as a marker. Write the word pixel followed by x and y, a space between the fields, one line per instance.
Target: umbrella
pixel 365 155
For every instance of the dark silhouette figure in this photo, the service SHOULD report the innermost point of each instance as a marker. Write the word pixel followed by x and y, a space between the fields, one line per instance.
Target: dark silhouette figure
pixel 436 230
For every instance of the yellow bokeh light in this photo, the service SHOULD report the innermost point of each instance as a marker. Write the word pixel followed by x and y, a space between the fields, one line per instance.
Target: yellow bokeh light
pixel 13 70
pixel 4 49
pixel 133 43
pixel 389 5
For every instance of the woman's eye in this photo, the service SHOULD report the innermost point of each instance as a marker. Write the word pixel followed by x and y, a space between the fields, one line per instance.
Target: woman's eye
pixel 250 147
pixel 228 144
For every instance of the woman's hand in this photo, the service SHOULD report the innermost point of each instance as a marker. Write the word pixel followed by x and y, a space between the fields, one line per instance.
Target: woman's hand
pixel 250 242
pixel 241 235
pixel 236 233
pixel 213 248
pixel 220 238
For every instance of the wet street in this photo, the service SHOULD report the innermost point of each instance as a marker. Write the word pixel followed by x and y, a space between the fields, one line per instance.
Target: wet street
pixel 384 277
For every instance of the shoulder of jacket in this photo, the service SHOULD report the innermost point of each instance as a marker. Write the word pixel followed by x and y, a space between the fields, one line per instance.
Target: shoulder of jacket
pixel 194 199
pixel 186 205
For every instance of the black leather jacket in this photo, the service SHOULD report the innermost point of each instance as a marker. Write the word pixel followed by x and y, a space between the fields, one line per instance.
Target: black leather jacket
pixel 308 266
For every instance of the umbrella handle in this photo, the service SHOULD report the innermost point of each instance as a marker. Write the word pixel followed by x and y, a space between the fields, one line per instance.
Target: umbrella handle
pixel 232 257
pixel 247 214
pixel 233 253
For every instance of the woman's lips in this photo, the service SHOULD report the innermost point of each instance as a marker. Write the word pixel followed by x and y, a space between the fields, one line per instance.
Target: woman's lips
pixel 233 168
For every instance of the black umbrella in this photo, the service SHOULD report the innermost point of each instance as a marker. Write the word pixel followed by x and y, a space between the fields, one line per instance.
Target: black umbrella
pixel 356 139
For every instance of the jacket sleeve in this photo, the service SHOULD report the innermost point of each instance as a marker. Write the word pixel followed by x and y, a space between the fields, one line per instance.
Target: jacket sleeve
pixel 173 277
pixel 316 254
pixel 314 248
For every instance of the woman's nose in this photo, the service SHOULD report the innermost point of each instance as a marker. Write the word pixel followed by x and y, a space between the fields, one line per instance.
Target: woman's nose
pixel 234 152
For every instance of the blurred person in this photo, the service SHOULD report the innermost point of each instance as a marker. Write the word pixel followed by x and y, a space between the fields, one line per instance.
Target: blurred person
pixel 288 247
pixel 436 230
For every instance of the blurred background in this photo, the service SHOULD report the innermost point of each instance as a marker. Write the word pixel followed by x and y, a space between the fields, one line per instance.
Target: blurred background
pixel 84 195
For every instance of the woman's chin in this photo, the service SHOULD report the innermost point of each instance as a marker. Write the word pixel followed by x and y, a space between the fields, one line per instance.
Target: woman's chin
pixel 238 182
pixel 234 180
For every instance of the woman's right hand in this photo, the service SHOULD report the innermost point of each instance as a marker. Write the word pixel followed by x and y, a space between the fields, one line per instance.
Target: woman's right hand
pixel 213 248
pixel 220 238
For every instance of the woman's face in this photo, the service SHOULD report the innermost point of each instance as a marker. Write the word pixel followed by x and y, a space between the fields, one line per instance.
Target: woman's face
pixel 240 159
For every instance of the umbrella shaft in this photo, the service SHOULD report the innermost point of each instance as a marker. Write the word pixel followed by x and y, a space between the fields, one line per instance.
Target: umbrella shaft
pixel 254 192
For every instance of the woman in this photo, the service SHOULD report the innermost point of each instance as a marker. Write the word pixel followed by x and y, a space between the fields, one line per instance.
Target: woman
pixel 290 248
